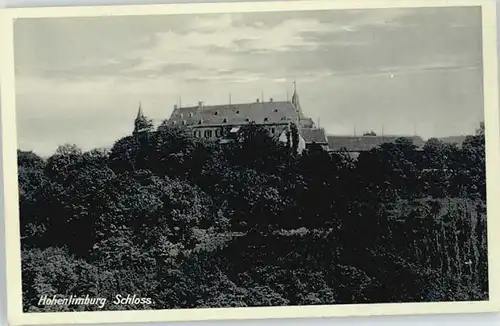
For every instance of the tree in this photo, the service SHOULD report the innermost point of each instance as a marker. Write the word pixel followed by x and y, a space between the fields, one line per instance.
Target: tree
pixel 142 124
pixel 473 171
pixel 174 150
pixel 257 149
pixel 31 181
pixel 55 271
pixel 195 223
pixel 480 130
pixel 59 165
pixel 124 154
pixel 29 160
pixel 390 170
pixel 440 163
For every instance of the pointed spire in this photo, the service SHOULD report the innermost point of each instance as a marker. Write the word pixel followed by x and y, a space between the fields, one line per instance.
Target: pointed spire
pixel 295 97
pixel 140 115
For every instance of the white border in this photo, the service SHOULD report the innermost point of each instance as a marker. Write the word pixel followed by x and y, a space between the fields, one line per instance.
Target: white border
pixel 9 156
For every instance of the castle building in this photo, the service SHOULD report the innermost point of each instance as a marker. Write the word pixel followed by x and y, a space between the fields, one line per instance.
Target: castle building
pixel 222 122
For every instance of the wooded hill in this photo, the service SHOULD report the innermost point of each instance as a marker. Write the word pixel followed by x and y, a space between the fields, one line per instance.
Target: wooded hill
pixel 192 223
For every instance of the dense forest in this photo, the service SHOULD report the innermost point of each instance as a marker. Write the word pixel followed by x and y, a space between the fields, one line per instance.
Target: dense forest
pixel 193 223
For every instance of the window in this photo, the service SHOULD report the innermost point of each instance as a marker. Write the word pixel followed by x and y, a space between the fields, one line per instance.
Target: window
pixel 247 120
pixel 208 133
pixel 195 134
pixel 275 110
pixel 184 122
pixel 266 119
pixel 216 113
pixel 273 131
pixel 217 133
pixel 225 120
pixel 199 122
pixel 190 114
pixel 237 111
pixel 198 133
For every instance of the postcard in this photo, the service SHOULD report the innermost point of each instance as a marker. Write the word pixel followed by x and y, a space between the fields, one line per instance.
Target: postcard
pixel 283 159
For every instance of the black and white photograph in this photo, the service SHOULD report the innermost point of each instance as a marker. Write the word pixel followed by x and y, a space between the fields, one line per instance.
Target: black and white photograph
pixel 246 159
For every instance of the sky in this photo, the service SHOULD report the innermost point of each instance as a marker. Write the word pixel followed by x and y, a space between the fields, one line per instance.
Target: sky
pixel 80 80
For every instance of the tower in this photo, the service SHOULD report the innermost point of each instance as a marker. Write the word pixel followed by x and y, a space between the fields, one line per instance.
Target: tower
pixel 296 102
pixel 301 119
pixel 140 115
pixel 295 97
pixel 141 123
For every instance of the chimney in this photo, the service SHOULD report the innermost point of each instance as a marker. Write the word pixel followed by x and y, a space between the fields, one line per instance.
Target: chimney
pixel 175 106
pixel 258 100
pixel 271 100
pixel 200 105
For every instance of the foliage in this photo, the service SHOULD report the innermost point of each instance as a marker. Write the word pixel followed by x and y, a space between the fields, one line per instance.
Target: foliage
pixel 192 223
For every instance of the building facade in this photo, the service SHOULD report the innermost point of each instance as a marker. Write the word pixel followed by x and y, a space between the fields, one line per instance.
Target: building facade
pixel 223 123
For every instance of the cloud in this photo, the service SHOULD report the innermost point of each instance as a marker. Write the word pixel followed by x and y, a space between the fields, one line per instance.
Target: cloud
pixel 267 46
pixel 217 42
pixel 343 62
pixel 197 47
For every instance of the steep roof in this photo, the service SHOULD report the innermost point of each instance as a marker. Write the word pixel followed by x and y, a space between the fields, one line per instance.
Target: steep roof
pixel 237 114
pixel 314 135
pixel 366 143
